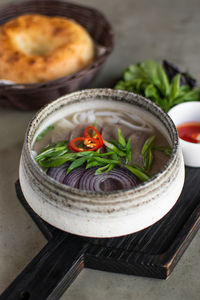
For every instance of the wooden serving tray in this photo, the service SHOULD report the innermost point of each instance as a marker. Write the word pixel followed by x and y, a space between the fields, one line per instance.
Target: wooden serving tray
pixel 153 252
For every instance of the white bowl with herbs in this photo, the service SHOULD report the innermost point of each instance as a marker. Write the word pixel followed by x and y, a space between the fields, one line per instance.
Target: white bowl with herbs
pixel 101 163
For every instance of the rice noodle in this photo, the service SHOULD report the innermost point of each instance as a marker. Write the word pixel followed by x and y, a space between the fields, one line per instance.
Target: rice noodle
pixel 137 119
pixel 112 117
pixel 107 113
pixel 64 124
pixel 91 116
pixel 136 127
pixel 79 117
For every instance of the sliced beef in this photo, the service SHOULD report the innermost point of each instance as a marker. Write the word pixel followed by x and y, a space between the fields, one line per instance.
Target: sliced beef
pixel 78 130
pixel 160 159
pixel 110 131
pixel 61 131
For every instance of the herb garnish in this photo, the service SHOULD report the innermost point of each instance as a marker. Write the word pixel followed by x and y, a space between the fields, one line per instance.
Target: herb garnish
pixel 118 153
pixel 42 134
pixel 147 151
pixel 150 79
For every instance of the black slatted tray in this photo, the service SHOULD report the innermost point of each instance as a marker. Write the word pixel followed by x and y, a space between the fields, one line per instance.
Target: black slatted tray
pixel 152 252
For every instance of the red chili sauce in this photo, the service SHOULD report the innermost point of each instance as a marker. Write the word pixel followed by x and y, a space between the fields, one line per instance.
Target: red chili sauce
pixel 189 131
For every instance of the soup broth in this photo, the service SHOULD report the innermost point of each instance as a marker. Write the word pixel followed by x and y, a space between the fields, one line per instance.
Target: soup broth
pixel 132 150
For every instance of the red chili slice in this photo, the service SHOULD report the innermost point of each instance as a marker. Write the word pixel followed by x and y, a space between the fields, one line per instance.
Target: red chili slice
pixel 97 136
pixel 90 142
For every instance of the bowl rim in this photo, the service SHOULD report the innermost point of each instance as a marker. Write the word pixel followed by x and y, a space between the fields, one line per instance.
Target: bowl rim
pixel 102 92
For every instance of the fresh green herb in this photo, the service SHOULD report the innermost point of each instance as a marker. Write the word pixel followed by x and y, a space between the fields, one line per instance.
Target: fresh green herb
pixel 121 138
pixel 104 169
pixel 53 150
pixel 107 161
pixel 148 159
pixel 118 154
pixel 77 163
pixel 92 163
pixel 57 161
pixel 148 144
pixel 138 172
pixel 147 152
pixel 129 151
pixel 165 149
pixel 115 149
pixel 42 134
pixel 118 145
pixel 150 80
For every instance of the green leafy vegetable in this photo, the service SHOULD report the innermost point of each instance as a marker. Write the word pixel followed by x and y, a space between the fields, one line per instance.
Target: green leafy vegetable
pixel 53 151
pixel 150 80
pixel 77 163
pixel 148 159
pixel 111 146
pixel 148 144
pixel 137 172
pixel 118 154
pixel 121 139
pixel 147 152
pixel 42 134
pixel 165 149
pixel 104 169
pixel 129 151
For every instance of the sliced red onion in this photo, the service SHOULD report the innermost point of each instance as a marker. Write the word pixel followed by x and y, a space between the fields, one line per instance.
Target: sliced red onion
pixel 116 179
pixel 59 174
pixel 73 178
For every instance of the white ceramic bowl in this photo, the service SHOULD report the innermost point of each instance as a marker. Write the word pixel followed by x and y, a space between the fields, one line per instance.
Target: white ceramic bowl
pixel 187 112
pixel 96 214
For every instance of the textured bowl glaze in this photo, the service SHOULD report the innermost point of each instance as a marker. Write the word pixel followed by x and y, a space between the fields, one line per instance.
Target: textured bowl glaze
pixel 187 112
pixel 101 214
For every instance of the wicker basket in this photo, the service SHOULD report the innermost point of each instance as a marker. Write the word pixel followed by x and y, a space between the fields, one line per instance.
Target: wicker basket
pixel 34 96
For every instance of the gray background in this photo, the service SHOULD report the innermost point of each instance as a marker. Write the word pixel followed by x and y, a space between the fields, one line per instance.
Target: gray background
pixel 153 29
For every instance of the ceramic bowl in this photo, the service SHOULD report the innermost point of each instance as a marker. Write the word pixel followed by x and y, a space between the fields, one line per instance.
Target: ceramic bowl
pixel 96 214
pixel 187 112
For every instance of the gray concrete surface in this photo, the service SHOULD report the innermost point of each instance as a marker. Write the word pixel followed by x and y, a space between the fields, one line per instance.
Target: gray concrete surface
pixel 154 29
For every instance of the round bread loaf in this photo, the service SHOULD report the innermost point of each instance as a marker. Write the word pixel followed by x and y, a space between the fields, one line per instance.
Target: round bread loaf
pixel 36 48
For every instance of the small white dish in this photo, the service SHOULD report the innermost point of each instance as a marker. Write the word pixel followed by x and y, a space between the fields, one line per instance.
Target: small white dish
pixel 187 112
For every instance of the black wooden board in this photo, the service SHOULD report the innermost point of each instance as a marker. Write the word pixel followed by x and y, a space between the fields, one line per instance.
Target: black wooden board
pixel 152 252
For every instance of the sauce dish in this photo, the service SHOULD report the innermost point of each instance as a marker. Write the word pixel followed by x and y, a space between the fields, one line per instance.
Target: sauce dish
pixel 184 113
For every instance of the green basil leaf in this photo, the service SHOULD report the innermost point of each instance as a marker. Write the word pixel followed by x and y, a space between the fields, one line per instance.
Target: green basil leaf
pixel 151 92
pixel 175 87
